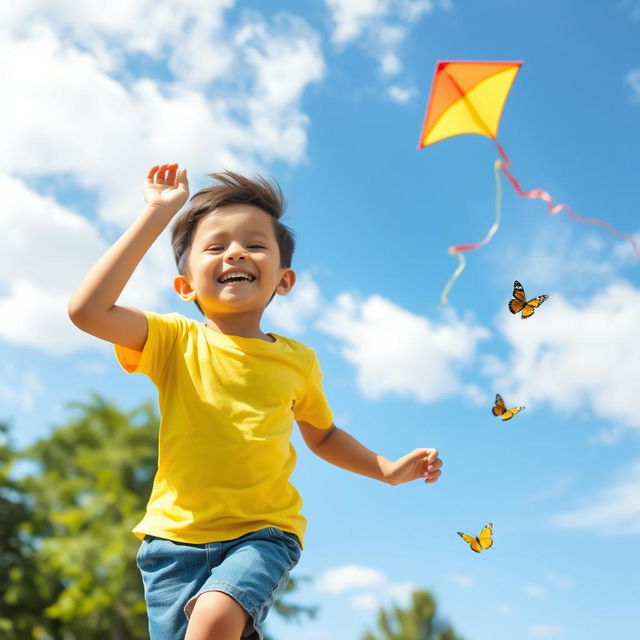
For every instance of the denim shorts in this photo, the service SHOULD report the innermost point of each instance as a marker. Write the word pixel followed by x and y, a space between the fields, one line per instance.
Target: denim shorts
pixel 253 570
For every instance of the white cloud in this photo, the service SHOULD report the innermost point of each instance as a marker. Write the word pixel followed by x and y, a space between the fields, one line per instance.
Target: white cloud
pixel 401 94
pixel 341 579
pixel 632 79
pixel 379 26
pixel 544 630
pixel 103 124
pixel 611 511
pixel 19 389
pixel 397 352
pixel 292 313
pixel 578 355
pixel 373 586
pixel 46 250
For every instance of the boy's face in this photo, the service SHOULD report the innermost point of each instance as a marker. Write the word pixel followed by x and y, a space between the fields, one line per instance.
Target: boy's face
pixel 234 263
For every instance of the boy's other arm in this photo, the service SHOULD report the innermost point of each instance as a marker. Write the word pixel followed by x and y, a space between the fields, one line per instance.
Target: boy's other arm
pixel 338 447
pixel 92 307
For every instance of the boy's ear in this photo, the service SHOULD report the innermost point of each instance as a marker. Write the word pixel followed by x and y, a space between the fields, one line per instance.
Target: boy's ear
pixel 183 288
pixel 287 280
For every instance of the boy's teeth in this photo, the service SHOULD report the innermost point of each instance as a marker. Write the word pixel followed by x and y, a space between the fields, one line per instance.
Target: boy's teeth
pixel 236 277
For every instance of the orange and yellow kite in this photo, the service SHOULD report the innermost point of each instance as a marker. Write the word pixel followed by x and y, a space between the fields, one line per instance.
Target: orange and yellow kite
pixel 468 97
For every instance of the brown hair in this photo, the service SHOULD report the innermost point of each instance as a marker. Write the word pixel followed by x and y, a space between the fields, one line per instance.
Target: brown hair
pixel 232 188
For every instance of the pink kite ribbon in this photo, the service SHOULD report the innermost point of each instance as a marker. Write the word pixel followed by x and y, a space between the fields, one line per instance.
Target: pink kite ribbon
pixel 553 209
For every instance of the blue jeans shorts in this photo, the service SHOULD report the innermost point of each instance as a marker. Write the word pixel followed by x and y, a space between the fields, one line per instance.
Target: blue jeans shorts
pixel 253 570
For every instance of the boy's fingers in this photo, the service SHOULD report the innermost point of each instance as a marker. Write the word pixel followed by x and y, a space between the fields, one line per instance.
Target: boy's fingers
pixel 162 173
pixel 171 173
pixel 432 455
pixel 152 172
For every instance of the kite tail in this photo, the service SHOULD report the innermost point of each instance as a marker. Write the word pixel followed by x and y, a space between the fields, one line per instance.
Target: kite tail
pixel 554 209
pixel 457 250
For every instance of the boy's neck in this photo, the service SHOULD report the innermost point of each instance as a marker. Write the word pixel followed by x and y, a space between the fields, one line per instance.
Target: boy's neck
pixel 242 326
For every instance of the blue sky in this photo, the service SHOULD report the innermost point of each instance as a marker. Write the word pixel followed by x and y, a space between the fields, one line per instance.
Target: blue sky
pixel 328 96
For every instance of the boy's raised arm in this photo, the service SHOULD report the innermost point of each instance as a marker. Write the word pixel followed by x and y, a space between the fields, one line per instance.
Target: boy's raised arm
pixel 92 307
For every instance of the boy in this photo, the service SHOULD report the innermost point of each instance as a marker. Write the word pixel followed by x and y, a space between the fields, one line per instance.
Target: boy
pixel 223 526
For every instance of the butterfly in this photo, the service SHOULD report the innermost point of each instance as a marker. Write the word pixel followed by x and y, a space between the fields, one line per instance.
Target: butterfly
pixel 483 541
pixel 500 409
pixel 520 303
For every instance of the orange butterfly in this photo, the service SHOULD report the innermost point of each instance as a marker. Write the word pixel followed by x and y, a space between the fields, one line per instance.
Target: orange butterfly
pixel 500 409
pixel 520 303
pixel 478 543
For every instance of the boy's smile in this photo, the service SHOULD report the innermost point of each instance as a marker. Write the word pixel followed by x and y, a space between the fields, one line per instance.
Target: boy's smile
pixel 234 265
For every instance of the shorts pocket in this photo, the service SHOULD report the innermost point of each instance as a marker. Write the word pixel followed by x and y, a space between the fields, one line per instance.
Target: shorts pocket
pixel 289 540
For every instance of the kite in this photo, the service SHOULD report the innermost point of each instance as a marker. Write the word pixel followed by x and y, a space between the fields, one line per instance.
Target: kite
pixel 468 97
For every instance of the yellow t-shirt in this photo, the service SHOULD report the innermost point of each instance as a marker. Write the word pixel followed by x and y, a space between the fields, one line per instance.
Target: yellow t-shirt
pixel 227 406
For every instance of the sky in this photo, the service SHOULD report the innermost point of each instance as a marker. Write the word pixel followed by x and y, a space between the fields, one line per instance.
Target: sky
pixel 328 97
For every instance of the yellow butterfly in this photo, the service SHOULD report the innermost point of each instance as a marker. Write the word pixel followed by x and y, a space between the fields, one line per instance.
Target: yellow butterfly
pixel 520 303
pixel 483 541
pixel 500 409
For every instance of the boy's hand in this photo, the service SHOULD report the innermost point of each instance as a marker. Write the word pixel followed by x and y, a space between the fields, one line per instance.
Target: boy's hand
pixel 166 188
pixel 420 463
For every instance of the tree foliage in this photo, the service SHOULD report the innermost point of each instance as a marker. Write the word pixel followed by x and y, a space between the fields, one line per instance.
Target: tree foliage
pixel 416 622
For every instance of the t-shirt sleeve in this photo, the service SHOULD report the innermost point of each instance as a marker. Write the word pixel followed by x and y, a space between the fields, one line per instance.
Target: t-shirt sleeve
pixel 312 406
pixel 161 339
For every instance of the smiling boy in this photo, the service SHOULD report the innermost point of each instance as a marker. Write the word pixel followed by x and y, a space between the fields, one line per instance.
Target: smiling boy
pixel 223 526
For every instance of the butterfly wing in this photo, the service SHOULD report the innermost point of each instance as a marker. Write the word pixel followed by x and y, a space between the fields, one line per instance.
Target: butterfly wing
pixel 509 413
pixel 519 300
pixel 531 306
pixel 499 407
pixel 485 538
pixel 473 542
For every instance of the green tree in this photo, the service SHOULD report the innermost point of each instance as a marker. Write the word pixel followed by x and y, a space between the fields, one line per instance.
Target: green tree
pixel 417 622
pixel 23 594
pixel 93 477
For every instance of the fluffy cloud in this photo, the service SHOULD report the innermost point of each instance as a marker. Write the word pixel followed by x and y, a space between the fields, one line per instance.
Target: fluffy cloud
pixel 341 579
pixel 576 355
pixel 613 510
pixel 379 26
pixel 374 588
pixel 103 118
pixel 46 250
pixel 397 352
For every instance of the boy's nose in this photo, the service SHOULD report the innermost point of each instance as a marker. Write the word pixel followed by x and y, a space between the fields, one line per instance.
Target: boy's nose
pixel 236 252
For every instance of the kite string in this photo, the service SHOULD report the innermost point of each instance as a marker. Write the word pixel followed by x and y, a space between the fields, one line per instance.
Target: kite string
pixel 554 209
pixel 457 250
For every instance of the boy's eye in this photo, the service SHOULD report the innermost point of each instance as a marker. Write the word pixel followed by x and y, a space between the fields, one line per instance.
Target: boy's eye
pixel 255 245
pixel 215 247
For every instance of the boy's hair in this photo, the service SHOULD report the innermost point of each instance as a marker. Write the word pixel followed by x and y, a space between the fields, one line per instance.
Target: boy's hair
pixel 232 188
